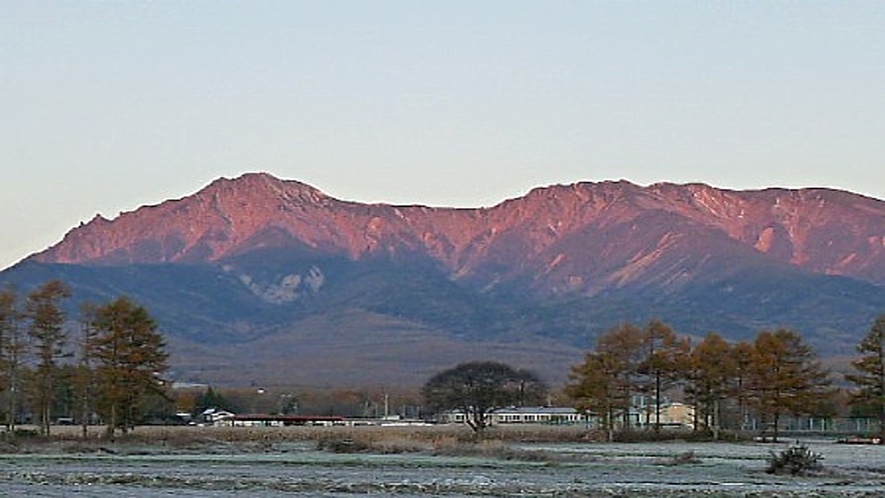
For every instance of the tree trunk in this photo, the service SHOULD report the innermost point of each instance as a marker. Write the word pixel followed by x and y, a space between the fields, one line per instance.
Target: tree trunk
pixel 84 414
pixel 44 419
pixel 112 423
pixel 717 413
pixel 882 394
pixel 610 423
pixel 657 402
pixel 45 401
pixel 12 406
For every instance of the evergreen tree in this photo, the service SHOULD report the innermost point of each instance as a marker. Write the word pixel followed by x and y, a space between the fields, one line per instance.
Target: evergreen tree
pixel 870 376
pixel 129 354
pixel 46 321
pixel 210 399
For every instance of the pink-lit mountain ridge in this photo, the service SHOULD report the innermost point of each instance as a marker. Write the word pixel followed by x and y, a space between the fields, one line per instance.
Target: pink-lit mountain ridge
pixel 286 275
pixel 582 238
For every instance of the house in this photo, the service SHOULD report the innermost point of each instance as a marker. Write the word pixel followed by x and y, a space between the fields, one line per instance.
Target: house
pixel 214 416
pixel 672 415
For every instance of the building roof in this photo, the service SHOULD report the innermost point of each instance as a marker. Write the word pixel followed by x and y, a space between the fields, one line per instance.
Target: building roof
pixel 264 417
pixel 548 410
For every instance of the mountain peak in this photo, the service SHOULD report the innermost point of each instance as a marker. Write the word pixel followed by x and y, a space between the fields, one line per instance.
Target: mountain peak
pixel 276 272
pixel 576 238
pixel 261 183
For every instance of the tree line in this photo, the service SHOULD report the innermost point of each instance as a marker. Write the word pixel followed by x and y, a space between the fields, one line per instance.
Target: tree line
pixel 626 381
pixel 110 367
pixel 728 384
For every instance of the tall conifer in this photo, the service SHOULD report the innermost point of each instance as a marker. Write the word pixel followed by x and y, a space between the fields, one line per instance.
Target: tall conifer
pixel 786 377
pixel 870 376
pixel 12 350
pixel 46 320
pixel 713 375
pixel 129 353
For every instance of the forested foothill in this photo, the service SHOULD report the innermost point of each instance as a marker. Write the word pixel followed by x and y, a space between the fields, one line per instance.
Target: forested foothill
pixel 108 370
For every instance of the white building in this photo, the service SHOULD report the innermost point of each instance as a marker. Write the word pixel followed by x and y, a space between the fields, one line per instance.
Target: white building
pixel 672 415
pixel 215 416
pixel 525 415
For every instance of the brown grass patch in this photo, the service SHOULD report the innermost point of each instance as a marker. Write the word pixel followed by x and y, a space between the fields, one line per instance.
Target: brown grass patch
pixel 439 439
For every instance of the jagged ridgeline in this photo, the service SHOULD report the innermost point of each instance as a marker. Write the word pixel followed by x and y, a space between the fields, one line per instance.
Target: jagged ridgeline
pixel 273 281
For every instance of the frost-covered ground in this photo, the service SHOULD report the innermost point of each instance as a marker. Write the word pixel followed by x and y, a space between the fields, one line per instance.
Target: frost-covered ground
pixel 298 469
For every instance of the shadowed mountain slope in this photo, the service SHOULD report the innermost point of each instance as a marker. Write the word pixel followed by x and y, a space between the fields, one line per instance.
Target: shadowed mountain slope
pixel 273 280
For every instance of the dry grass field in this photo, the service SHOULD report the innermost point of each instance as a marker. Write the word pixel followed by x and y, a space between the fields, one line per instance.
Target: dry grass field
pixel 437 439
pixel 415 462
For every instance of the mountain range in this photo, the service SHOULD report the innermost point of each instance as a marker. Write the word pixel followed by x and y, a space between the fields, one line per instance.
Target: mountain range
pixel 268 281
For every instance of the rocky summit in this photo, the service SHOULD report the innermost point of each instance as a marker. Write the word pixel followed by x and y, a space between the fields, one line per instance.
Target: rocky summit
pixel 266 280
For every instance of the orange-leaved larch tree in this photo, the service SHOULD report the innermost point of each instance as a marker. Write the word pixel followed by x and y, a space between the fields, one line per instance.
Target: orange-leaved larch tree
pixel 785 377
pixel 605 383
pixel 13 347
pixel 129 355
pixel 665 364
pixel 869 376
pixel 712 376
pixel 46 320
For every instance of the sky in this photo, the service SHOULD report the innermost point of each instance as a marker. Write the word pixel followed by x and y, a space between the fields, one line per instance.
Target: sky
pixel 109 105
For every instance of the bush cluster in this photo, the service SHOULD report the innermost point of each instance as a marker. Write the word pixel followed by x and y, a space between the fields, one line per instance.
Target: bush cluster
pixel 795 460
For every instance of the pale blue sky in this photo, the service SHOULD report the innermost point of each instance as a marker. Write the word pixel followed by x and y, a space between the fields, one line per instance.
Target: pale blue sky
pixel 109 105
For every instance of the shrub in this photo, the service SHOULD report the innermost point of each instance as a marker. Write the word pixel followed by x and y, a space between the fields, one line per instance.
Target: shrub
pixel 795 460
pixel 25 434
pixel 342 445
pixel 686 458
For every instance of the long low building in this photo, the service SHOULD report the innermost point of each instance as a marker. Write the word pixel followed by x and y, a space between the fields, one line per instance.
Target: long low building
pixel 224 418
pixel 525 415
pixel 674 415
pixel 264 420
